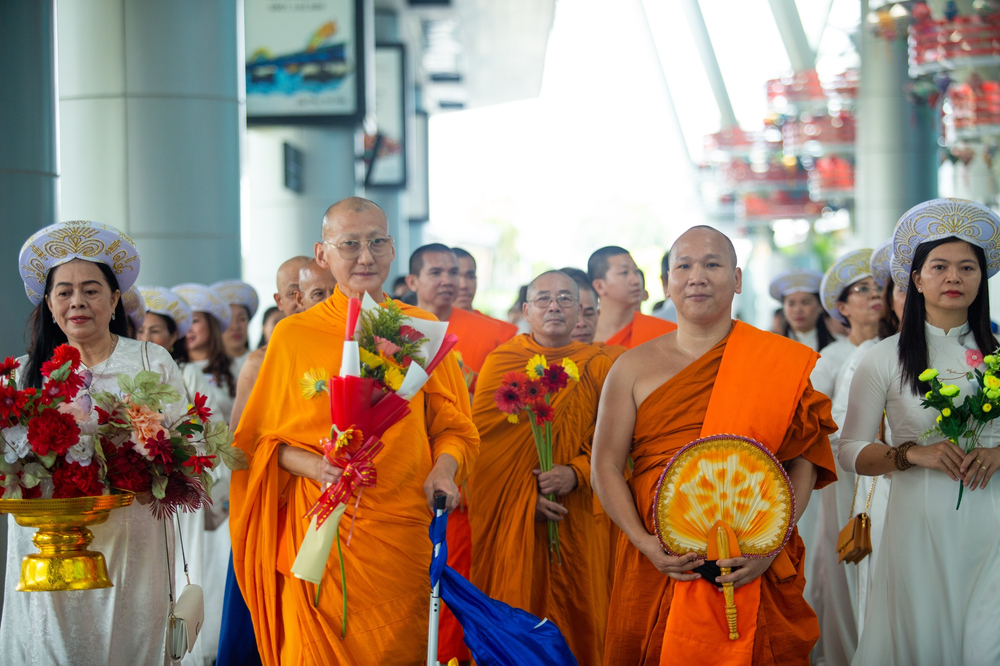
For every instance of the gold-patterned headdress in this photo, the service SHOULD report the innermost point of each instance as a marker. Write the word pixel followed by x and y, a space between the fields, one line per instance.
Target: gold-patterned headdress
pixel 237 292
pixel 135 306
pixel 848 269
pixel 164 302
pixel 881 264
pixel 64 241
pixel 205 299
pixel 945 218
pixel 795 281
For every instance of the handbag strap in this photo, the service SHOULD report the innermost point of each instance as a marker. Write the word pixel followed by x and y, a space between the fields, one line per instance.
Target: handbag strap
pixel 180 537
pixel 170 569
pixel 854 497
pixel 871 489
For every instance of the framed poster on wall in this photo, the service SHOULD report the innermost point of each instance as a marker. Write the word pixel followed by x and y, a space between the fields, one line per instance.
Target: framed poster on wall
pixel 385 152
pixel 305 61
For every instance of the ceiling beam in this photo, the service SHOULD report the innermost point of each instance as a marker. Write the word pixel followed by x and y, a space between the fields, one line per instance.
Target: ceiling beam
pixel 699 31
pixel 800 53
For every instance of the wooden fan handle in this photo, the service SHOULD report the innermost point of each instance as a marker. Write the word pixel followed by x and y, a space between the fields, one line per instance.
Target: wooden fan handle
pixel 727 588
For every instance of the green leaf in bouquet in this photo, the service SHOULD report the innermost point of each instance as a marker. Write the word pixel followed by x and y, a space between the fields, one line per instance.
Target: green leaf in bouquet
pixel 189 428
pixel 207 482
pixel 49 459
pixel 106 401
pixel 219 441
pixel 125 384
pixel 159 486
pixel 32 473
pixel 13 491
pixel 62 372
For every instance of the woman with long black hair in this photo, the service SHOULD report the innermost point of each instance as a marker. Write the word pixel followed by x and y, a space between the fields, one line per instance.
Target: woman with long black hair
pixel 936 581
pixel 798 292
pixel 206 350
pixel 75 273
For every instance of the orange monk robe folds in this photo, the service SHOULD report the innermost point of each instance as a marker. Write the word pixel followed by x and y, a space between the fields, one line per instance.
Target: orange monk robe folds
pixel 510 554
pixel 478 335
pixel 670 418
pixel 386 563
pixel 642 328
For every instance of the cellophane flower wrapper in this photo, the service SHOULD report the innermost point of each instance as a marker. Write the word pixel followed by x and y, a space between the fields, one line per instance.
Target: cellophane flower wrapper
pixel 359 403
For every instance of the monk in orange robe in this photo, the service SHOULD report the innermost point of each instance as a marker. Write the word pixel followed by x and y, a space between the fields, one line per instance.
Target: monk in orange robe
pixel 511 560
pixel 619 284
pixel 436 279
pixel 428 452
pixel 712 376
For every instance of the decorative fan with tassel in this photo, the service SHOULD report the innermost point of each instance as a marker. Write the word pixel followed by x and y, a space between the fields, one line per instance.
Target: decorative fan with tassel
pixel 721 497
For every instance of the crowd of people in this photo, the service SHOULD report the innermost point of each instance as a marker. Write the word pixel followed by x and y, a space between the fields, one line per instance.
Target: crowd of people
pixel 834 393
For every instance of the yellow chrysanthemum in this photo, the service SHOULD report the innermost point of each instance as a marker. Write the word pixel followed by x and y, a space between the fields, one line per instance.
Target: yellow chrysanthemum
pixel 370 359
pixel 348 436
pixel 949 390
pixel 928 374
pixel 512 418
pixel 570 367
pixel 987 407
pixel 991 382
pixel 993 394
pixel 393 378
pixel 946 412
pixel 314 382
pixel 536 366
pixel 938 419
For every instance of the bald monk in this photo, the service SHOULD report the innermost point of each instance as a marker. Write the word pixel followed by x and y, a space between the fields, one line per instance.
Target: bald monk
pixel 510 555
pixel 663 395
pixel 430 451
pixel 619 284
pixel 285 298
pixel 435 278
pixel 316 284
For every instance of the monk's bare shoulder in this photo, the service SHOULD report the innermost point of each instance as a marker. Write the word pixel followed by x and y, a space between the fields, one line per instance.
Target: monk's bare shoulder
pixel 251 367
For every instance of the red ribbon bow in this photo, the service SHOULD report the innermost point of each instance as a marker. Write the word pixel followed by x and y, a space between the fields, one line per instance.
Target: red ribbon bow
pixel 359 471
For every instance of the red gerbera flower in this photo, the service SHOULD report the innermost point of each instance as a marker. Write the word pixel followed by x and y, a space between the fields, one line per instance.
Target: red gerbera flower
pixel 159 448
pixel 543 412
pixel 508 399
pixel 409 333
pixel 554 378
pixel 10 364
pixel 12 402
pixel 52 430
pixel 199 409
pixel 515 380
pixel 60 356
pixel 533 391
pixel 199 463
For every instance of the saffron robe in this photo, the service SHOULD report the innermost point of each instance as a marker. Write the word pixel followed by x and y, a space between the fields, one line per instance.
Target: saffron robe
pixel 642 328
pixel 671 417
pixel 386 562
pixel 478 335
pixel 510 553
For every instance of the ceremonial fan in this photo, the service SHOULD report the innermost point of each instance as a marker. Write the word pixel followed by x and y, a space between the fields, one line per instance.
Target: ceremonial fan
pixel 721 497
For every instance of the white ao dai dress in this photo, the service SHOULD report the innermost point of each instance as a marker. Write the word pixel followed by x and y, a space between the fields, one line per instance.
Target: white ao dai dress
pixel 120 626
pixel 935 597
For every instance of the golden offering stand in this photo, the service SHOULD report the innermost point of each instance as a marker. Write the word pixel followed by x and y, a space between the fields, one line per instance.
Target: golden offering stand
pixel 64 561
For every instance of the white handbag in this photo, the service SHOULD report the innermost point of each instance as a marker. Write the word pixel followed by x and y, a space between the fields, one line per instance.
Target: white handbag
pixel 187 614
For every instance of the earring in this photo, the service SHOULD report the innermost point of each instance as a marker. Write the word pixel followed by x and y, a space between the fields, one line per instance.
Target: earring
pixel 920 290
pixel 53 319
pixel 112 316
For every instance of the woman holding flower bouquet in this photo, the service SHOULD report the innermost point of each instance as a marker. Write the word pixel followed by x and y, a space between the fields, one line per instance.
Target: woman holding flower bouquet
pixel 937 578
pixel 76 286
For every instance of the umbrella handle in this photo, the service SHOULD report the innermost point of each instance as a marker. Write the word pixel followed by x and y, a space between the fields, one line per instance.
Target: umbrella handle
pixel 440 504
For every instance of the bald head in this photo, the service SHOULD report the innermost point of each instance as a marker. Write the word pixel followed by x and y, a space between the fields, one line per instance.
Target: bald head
pixel 347 208
pixel 553 281
pixel 288 283
pixel 316 284
pixel 703 277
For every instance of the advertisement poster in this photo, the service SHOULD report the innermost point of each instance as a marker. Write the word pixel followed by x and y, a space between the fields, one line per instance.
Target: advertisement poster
pixel 305 60
pixel 389 146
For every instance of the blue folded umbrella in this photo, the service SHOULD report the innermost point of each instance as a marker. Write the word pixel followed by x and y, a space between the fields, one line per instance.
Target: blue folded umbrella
pixel 237 642
pixel 497 634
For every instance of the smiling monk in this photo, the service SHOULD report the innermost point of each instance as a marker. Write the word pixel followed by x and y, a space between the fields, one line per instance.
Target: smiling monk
pixel 510 553
pixel 436 280
pixel 711 376
pixel 429 451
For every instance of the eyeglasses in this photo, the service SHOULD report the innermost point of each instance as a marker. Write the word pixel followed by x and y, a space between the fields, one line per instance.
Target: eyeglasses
pixel 351 249
pixel 563 300
pixel 862 289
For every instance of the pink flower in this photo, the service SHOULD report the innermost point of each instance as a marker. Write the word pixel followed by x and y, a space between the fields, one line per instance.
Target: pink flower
pixel 386 347
pixel 75 410
pixel 973 358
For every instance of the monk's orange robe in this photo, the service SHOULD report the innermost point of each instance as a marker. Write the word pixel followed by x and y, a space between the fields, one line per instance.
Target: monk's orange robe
pixel 642 328
pixel 670 418
pixel 386 564
pixel 614 351
pixel 510 554
pixel 478 335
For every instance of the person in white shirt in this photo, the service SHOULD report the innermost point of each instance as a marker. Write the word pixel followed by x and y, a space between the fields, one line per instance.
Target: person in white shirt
pixel 798 292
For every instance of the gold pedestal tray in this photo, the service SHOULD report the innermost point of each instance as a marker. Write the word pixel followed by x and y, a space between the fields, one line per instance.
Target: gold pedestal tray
pixel 63 562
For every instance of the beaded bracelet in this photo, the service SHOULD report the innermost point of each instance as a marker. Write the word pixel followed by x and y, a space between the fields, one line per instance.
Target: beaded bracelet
pixel 898 455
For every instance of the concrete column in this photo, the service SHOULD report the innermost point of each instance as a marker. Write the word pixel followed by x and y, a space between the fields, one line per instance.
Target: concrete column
pixel 897 141
pixel 151 111
pixel 28 147
pixel 28 159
